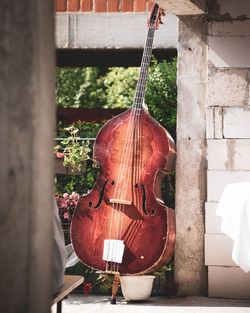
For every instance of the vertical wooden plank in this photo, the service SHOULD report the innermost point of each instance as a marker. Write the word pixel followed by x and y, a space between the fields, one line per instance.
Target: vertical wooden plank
pixel 100 5
pixel 150 5
pixel 127 5
pixel 73 5
pixel 27 140
pixel 61 5
pixel 86 5
pixel 139 5
pixel 113 5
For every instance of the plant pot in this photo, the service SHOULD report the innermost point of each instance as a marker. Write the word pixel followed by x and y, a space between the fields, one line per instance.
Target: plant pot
pixel 137 287
pixel 61 169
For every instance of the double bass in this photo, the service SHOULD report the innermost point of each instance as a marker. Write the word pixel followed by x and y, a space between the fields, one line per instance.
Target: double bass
pixel 122 226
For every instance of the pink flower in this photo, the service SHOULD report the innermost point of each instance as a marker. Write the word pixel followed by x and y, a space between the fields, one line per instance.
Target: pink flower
pixel 64 204
pixel 66 215
pixel 59 155
pixel 87 288
pixel 67 202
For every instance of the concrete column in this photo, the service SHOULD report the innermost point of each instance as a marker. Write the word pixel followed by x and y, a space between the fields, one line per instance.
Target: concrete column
pixel 26 158
pixel 190 271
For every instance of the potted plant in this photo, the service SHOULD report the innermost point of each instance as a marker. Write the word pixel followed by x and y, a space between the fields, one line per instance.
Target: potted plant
pixel 73 152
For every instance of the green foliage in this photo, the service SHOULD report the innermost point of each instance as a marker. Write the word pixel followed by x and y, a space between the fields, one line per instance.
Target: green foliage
pixel 80 87
pixel 91 87
pixel 85 129
pixel 162 271
pixel 76 183
pixel 161 98
pixel 105 281
pixel 120 83
pixel 161 94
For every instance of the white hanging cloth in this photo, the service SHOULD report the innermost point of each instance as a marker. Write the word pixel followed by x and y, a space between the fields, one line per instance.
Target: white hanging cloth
pixel 234 209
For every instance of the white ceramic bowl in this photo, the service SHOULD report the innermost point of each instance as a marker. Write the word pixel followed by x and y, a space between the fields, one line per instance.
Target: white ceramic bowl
pixel 137 287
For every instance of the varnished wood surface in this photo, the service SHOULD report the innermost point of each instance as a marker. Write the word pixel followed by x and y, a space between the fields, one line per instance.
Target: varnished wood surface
pixel 148 234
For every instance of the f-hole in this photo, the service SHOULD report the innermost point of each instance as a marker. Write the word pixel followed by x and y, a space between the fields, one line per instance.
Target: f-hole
pixel 144 198
pixel 101 196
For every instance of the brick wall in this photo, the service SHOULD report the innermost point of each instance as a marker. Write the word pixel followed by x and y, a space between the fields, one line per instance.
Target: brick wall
pixel 103 5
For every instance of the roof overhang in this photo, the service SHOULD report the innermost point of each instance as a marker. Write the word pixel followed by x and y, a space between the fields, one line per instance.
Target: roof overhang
pixel 183 7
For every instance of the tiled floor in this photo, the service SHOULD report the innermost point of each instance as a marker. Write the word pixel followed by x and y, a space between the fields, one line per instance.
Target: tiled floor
pixel 101 304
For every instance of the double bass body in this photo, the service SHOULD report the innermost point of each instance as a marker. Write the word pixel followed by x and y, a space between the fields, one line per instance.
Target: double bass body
pixel 132 151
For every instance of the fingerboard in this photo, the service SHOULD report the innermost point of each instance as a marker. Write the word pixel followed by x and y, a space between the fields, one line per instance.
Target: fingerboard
pixel 145 62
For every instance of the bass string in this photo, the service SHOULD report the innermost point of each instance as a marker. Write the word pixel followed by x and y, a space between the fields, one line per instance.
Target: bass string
pixel 136 144
pixel 115 206
pixel 138 162
pixel 118 207
pixel 138 147
pixel 139 129
pixel 140 87
pixel 140 90
pixel 139 95
pixel 129 177
pixel 126 184
pixel 136 167
pixel 132 148
pixel 125 174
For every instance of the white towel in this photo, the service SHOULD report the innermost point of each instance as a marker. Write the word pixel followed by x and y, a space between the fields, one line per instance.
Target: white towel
pixel 234 209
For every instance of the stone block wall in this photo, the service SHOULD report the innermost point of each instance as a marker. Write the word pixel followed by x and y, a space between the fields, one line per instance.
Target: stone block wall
pixel 228 136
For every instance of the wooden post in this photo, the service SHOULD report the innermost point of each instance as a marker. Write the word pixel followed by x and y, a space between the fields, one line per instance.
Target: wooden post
pixel 27 119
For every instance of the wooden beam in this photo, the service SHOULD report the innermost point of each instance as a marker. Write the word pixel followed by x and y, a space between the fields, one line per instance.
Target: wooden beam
pixel 71 115
pixel 183 7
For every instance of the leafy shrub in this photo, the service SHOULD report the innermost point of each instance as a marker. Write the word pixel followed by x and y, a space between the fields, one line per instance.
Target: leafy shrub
pixel 78 183
pixel 161 94
pixel 91 87
pixel 120 86
pixel 80 87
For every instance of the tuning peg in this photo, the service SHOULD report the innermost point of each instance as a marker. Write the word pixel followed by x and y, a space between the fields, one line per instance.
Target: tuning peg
pixel 163 12
pixel 160 20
